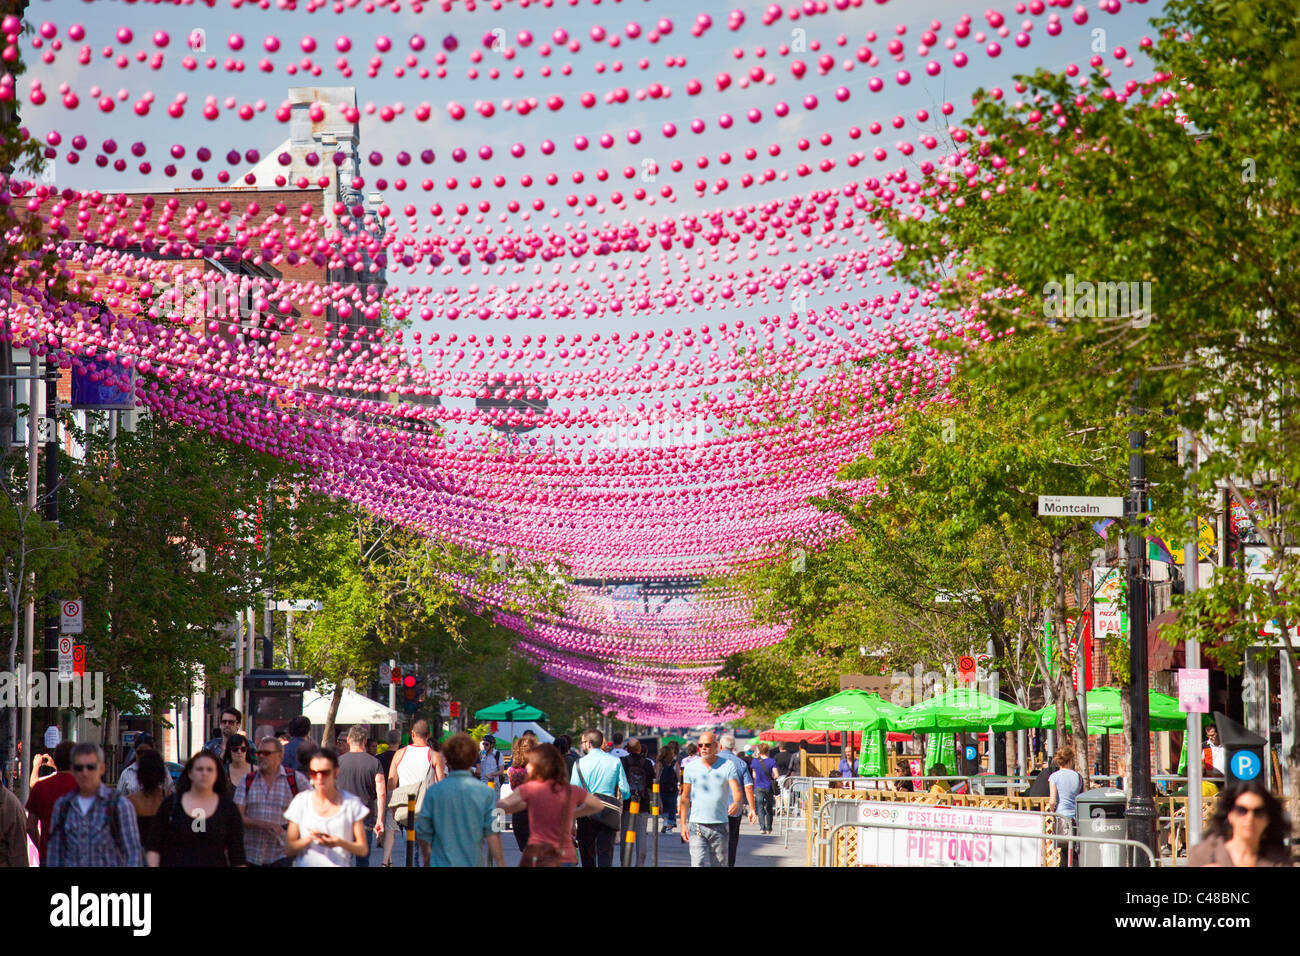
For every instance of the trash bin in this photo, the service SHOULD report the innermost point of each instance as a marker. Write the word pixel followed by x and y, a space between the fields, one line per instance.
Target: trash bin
pixel 1101 814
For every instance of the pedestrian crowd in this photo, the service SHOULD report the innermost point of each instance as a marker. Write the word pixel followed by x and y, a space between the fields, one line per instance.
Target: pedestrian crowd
pixel 282 801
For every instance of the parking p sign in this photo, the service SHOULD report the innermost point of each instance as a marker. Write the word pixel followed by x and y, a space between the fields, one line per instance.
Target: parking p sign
pixel 70 620
pixel 1245 765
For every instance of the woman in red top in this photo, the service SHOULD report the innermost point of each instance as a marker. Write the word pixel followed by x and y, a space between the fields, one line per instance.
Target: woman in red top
pixel 552 804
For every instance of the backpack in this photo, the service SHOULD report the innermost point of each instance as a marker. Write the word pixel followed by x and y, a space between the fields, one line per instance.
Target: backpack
pixel 291 777
pixel 634 767
pixel 114 824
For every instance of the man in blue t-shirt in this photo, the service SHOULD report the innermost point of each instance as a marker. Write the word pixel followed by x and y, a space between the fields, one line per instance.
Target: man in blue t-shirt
pixel 710 794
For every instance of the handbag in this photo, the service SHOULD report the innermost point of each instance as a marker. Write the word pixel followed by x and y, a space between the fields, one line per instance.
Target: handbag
pixel 612 815
pixel 544 854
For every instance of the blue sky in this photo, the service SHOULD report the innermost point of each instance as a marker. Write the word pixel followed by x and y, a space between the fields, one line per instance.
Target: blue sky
pixel 704 58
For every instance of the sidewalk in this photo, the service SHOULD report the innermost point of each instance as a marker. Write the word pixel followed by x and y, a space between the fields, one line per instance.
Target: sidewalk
pixel 754 850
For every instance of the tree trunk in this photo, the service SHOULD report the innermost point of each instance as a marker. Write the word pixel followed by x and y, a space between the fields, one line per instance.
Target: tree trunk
pixel 1079 730
pixel 327 737
pixel 19 696
pixel 1291 659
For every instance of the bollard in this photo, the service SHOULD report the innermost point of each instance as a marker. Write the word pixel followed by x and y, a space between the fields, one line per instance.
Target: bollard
pixel 629 838
pixel 410 830
pixel 654 823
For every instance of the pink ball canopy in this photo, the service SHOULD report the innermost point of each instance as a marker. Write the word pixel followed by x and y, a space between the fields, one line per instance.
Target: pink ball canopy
pixel 647 400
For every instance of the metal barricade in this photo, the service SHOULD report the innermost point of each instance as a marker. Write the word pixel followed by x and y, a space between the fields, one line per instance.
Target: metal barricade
pixel 824 850
pixel 793 808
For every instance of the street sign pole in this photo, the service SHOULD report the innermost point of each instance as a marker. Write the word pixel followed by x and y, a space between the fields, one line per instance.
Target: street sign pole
pixel 1141 810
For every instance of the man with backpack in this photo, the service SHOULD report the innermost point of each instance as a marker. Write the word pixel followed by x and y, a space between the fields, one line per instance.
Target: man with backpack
pixel 640 774
pixel 262 797
pixel 92 825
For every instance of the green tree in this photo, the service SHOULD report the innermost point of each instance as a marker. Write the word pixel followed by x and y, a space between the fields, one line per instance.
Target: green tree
pixel 1189 184
pixel 180 559
pixel 388 592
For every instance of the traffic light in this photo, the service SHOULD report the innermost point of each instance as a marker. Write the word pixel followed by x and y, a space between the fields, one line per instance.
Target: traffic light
pixel 410 695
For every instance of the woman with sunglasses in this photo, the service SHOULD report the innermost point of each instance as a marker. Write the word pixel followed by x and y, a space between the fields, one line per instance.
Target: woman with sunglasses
pixel 199 825
pixel 236 759
pixel 327 826
pixel 1248 829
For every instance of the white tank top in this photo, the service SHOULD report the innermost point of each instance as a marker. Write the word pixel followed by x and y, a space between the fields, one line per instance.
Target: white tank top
pixel 415 764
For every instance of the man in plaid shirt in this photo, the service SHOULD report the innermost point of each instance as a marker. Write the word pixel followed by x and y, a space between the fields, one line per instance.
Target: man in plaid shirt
pixel 262 801
pixel 93 825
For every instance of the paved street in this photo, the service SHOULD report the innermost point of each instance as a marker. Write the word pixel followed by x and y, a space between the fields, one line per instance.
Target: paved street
pixel 755 850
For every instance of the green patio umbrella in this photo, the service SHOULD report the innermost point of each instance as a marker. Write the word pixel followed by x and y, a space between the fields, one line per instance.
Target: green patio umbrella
pixel 510 709
pixel 941 749
pixel 1104 713
pixel 854 710
pixel 874 759
pixel 963 709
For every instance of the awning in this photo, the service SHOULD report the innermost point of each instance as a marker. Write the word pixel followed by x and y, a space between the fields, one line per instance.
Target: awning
pixel 354 708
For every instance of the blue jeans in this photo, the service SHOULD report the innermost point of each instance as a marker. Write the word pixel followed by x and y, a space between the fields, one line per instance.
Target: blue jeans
pixel 370 845
pixel 709 844
pixel 766 807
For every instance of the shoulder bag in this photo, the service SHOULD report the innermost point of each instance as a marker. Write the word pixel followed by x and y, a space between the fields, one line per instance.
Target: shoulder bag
pixel 400 799
pixel 612 815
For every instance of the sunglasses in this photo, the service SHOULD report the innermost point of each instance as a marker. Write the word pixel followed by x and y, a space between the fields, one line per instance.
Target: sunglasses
pixel 87 767
pixel 319 773
pixel 239 749
pixel 1260 813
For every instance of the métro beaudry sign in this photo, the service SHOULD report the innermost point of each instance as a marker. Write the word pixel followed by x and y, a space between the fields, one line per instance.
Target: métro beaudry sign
pixel 945 836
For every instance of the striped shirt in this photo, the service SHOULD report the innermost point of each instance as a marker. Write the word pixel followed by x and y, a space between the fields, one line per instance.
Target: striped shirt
pixel 86 839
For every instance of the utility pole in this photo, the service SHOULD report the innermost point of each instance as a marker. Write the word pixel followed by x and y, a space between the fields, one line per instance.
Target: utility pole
pixel 52 516
pixel 1141 809
pixel 29 612
pixel 1191 571
pixel 268 642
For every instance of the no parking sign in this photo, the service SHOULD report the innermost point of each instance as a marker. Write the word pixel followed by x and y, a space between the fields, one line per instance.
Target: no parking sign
pixel 70 617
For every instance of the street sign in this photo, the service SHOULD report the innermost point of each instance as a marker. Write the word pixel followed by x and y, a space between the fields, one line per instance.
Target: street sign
pixel 297 605
pixel 1070 506
pixel 444 709
pixel 385 673
pixel 52 736
pixel 455 709
pixel 65 658
pixel 1245 765
pixel 79 659
pixel 1193 690
pixel 966 669
pixel 70 617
